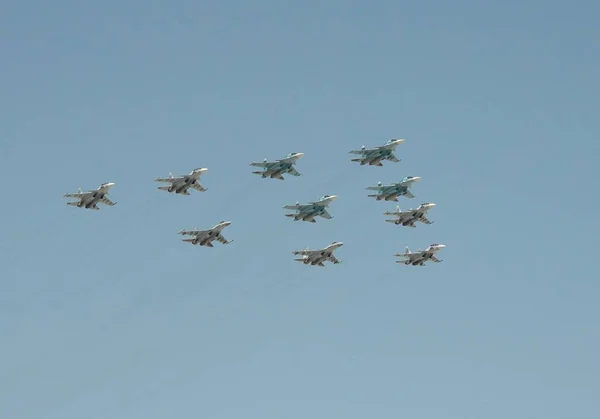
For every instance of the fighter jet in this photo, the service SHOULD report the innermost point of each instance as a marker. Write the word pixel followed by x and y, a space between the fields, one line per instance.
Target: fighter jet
pixel 181 184
pixel 317 257
pixel 90 199
pixel 206 237
pixel 275 169
pixel 393 191
pixel 420 256
pixel 308 212
pixel 411 216
pixel 374 156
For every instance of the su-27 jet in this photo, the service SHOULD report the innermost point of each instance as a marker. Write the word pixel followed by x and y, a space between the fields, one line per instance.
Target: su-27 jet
pixel 181 184
pixel 308 212
pixel 393 191
pixel 317 257
pixel 206 237
pixel 276 169
pixel 410 217
pixel 90 199
pixel 374 156
pixel 420 256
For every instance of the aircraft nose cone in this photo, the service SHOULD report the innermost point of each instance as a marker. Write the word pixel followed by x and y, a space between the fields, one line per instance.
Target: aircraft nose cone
pixel 416 178
pixel 110 184
pixel 299 155
pixel 332 197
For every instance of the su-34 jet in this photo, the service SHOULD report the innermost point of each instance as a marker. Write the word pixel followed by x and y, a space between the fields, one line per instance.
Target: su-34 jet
pixel 90 199
pixel 411 216
pixel 275 169
pixel 181 184
pixel 206 237
pixel 308 212
pixel 317 257
pixel 374 156
pixel 393 191
pixel 420 256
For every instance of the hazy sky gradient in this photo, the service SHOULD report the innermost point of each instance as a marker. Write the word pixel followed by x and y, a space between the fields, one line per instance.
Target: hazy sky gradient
pixel 107 314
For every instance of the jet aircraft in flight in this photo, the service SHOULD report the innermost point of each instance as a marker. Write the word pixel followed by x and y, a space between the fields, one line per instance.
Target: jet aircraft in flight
pixel 374 156
pixel 308 212
pixel 206 237
pixel 411 216
pixel 276 169
pixel 181 184
pixel 317 257
pixel 90 199
pixel 420 256
pixel 393 191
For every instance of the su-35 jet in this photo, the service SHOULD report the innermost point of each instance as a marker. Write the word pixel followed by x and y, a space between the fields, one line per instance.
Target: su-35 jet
pixel 411 216
pixel 275 169
pixel 420 256
pixel 206 237
pixel 90 199
pixel 317 257
pixel 393 191
pixel 181 184
pixel 374 156
pixel 308 212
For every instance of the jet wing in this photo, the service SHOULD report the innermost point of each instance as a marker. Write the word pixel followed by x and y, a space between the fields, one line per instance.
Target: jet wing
pixel 361 151
pixel 292 171
pixel 435 259
pixel 374 188
pixel 408 194
pixel 262 164
pixel 197 186
pixel 393 158
pixel 191 232
pixel 304 252
pixel 326 215
pixel 223 240
pixel 297 207
pixel 77 195
pixel 334 259
pixel 107 201
pixel 167 179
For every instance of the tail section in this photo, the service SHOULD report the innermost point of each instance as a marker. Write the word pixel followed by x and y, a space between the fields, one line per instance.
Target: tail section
pixel 164 188
pixel 73 204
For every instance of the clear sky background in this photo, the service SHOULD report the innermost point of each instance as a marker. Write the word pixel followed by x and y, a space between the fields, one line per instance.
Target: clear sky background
pixel 107 314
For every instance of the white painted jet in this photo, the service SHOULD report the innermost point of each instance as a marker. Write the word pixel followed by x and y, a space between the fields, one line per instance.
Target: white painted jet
pixel 181 184
pixel 420 256
pixel 206 237
pixel 374 156
pixel 317 257
pixel 90 199
pixel 411 216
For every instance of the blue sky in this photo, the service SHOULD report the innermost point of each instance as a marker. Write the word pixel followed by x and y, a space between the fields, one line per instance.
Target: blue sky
pixel 108 314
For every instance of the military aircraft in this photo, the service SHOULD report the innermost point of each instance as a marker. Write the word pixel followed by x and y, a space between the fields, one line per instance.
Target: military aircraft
pixel 181 184
pixel 90 199
pixel 308 212
pixel 317 257
pixel 275 169
pixel 392 191
pixel 420 256
pixel 374 156
pixel 411 216
pixel 206 237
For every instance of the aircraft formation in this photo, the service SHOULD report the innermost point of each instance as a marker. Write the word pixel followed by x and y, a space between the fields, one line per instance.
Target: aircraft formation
pixel 302 212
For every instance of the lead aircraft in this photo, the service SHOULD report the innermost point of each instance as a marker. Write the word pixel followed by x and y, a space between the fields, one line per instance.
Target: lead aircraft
pixel 206 237
pixel 90 199
pixel 420 256
pixel 276 169
pixel 411 216
pixel 393 191
pixel 308 212
pixel 317 257
pixel 181 184
pixel 374 156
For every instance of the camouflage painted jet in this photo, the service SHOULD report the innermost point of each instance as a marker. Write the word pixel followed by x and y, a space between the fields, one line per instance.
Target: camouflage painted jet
pixel 308 212
pixel 411 216
pixel 393 191
pixel 181 184
pixel 206 237
pixel 90 199
pixel 374 156
pixel 317 257
pixel 420 256
pixel 275 169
